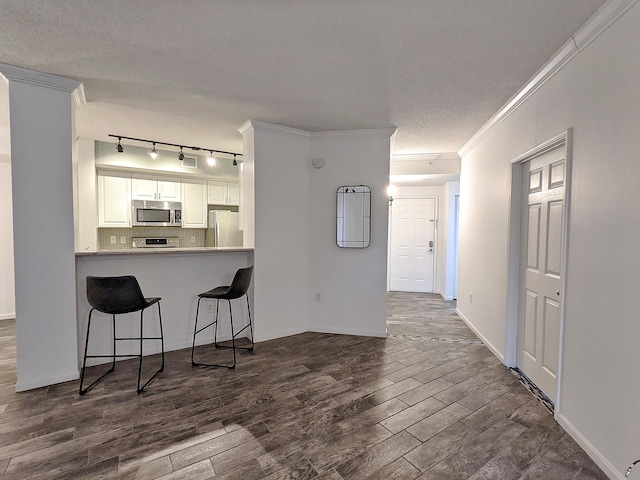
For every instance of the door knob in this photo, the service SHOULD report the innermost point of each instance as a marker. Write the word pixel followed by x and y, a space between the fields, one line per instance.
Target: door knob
pixel 558 292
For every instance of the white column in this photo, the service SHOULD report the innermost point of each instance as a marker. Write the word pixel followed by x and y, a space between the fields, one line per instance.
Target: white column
pixel 42 129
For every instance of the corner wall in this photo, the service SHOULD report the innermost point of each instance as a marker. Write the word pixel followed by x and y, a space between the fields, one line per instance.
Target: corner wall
pixel 597 94
pixel 7 284
pixel 295 251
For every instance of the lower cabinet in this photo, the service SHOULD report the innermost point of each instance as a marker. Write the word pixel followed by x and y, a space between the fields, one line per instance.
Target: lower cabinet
pixel 194 204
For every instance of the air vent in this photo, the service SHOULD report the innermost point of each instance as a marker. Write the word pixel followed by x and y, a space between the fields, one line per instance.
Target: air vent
pixel 190 162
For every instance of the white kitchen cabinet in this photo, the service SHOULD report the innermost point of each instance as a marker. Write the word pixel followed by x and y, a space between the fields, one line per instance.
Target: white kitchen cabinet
pixel 153 187
pixel 194 203
pixel 222 193
pixel 114 199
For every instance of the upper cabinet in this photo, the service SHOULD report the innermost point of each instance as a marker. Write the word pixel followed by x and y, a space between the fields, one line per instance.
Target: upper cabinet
pixel 194 203
pixel 152 187
pixel 223 193
pixel 114 199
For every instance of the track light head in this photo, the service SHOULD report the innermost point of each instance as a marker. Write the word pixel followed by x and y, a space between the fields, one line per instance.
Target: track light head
pixel 154 153
pixel 119 146
pixel 211 161
pixel 181 155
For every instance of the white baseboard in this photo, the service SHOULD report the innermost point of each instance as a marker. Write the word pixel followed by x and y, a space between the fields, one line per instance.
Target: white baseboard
pixel 349 331
pixel 46 381
pixel 7 316
pixel 487 343
pixel 448 298
pixel 588 447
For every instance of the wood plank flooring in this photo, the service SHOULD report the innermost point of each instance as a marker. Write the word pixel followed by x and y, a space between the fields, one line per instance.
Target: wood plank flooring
pixel 429 402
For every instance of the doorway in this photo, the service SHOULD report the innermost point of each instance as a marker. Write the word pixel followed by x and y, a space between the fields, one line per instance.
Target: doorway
pixel 539 219
pixel 412 246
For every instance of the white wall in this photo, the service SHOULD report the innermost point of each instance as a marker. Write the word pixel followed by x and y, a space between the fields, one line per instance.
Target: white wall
pixel 42 132
pixel 448 240
pixel 352 283
pixel 278 158
pixel 7 285
pixel 296 256
pixel 597 94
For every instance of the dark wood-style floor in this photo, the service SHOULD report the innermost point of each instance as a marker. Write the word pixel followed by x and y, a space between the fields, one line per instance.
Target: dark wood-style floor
pixel 429 402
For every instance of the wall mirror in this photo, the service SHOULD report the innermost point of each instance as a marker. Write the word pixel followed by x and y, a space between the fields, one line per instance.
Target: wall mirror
pixel 354 216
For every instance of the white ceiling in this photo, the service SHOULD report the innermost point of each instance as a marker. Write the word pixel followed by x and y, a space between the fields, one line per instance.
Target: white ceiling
pixel 192 71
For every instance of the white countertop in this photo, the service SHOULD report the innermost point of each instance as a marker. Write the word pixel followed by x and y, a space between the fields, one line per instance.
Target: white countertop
pixel 164 251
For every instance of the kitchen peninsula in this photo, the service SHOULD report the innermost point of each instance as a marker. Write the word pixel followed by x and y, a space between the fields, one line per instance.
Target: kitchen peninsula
pixel 176 275
pixel 169 257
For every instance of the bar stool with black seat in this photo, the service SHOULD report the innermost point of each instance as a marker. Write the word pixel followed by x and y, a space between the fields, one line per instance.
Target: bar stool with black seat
pixel 237 289
pixel 114 296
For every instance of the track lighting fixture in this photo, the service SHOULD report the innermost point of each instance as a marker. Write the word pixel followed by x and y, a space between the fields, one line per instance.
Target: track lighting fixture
pixel 211 160
pixel 154 153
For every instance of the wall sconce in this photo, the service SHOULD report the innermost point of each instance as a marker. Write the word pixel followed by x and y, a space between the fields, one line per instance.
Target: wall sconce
pixel 391 191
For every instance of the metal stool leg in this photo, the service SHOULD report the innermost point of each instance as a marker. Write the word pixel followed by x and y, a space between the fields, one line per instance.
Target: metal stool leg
pixel 215 339
pixel 161 338
pixel 82 391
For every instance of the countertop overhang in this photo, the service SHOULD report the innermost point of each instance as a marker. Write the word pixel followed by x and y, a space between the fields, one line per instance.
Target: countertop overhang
pixel 165 251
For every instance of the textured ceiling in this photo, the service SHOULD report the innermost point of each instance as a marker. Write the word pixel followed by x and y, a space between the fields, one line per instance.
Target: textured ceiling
pixel 192 71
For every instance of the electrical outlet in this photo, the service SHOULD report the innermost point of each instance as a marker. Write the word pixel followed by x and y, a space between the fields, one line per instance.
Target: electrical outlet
pixel 317 297
pixel 193 239
pixel 470 297
pixel 123 239
pixel 112 240
pixel 210 307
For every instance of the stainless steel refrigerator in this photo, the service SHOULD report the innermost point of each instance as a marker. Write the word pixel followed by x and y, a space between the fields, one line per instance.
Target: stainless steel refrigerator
pixel 223 229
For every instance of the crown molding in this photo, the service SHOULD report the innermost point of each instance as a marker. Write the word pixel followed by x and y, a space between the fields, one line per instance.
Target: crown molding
pixel 40 79
pixel 79 96
pixel 409 157
pixel 596 25
pixel 259 126
pixel 272 128
pixel 386 133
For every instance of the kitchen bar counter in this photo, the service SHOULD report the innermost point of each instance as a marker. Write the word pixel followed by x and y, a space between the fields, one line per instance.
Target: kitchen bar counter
pixel 177 275
pixel 164 251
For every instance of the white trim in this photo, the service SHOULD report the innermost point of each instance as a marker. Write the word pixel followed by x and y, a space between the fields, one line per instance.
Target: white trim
pixel 350 331
pixel 79 96
pixel 7 316
pixel 479 334
pixel 259 126
pixel 277 335
pixel 31 77
pixel 46 381
pixel 588 447
pixel 385 133
pixel 513 265
pixel 596 25
pixel 408 157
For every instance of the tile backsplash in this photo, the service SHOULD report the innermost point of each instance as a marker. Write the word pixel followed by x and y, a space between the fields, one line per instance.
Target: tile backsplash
pixel 188 237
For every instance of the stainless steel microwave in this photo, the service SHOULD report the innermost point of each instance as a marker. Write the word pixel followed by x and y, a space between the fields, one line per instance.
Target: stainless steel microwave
pixel 154 213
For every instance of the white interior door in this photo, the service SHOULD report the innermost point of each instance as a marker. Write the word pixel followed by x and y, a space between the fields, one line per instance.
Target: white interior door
pixel 538 346
pixel 412 245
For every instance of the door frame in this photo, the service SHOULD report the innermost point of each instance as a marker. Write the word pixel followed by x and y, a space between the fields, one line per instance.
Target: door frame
pixel 564 140
pixel 436 207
